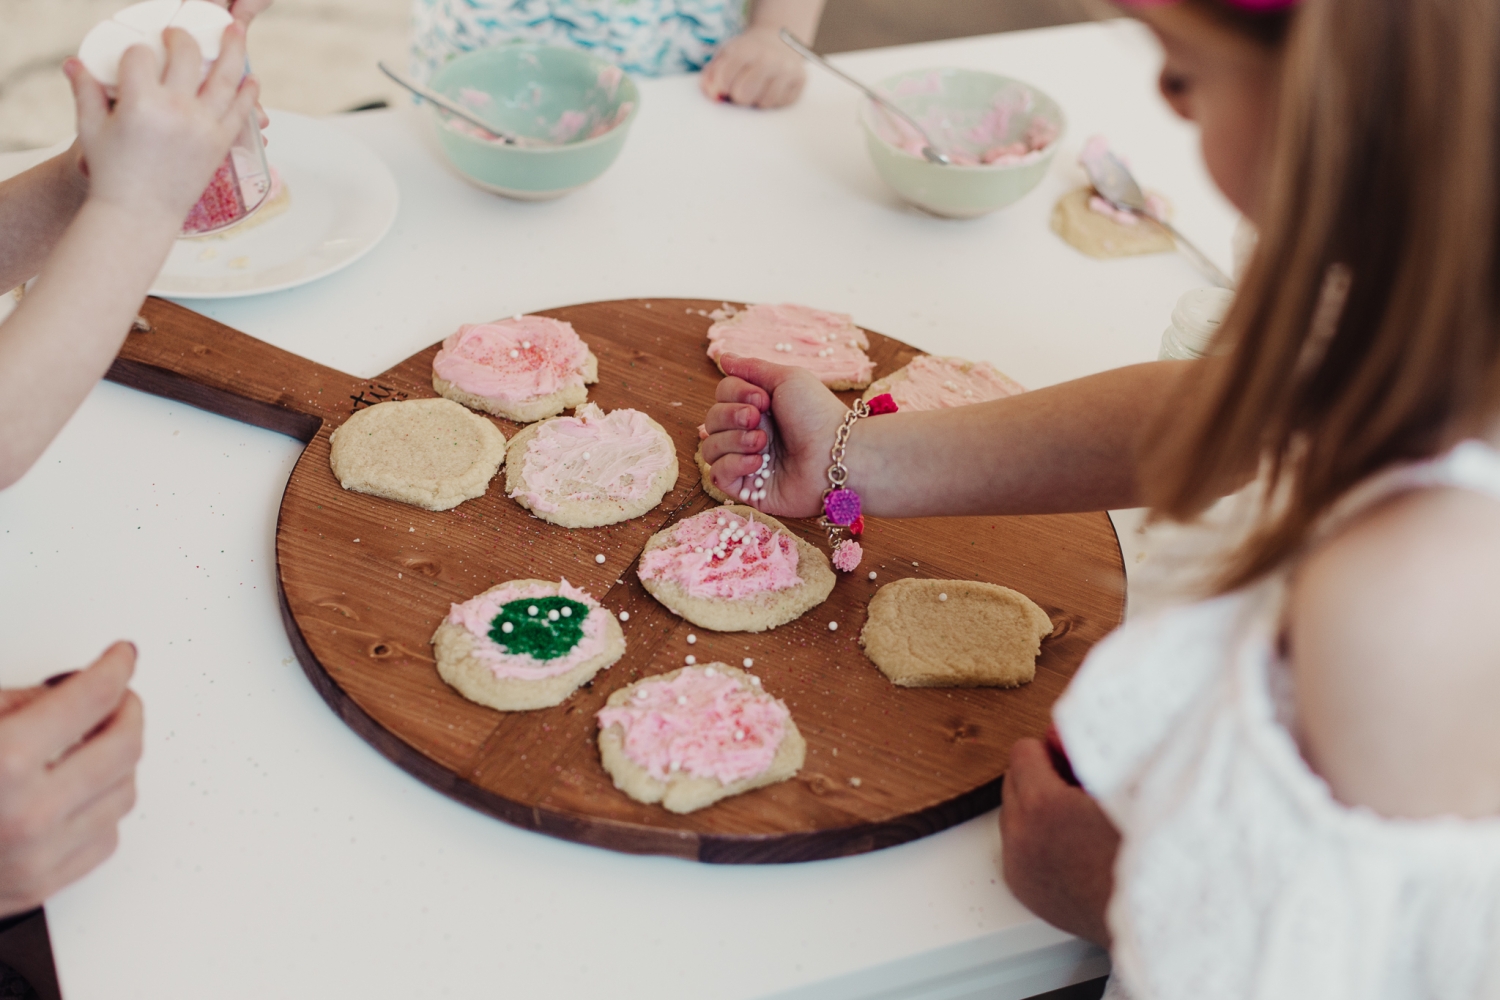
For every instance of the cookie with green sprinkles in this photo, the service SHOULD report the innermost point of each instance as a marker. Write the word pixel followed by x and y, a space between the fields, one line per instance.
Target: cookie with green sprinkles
pixel 525 644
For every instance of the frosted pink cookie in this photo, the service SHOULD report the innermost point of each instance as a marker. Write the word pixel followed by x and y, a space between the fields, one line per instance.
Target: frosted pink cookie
pixel 697 735
pixel 591 469
pixel 734 569
pixel 933 383
pixel 522 369
pixel 525 644
pixel 828 344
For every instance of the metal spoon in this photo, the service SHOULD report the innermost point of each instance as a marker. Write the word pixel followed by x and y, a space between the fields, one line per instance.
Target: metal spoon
pixel 448 106
pixel 929 151
pixel 1115 184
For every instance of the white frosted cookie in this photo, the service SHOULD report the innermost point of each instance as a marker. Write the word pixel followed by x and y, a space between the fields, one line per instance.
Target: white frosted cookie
pixel 828 344
pixel 525 644
pixel 697 735
pixel 431 453
pixel 1099 234
pixel 591 469
pixel 930 382
pixel 523 369
pixel 734 569
pixel 954 633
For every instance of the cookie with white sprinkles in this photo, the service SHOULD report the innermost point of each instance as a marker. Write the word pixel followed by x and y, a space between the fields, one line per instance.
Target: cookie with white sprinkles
pixel 591 469
pixel 697 735
pixel 523 369
pixel 734 569
pixel 525 644
pixel 954 633
pixel 431 453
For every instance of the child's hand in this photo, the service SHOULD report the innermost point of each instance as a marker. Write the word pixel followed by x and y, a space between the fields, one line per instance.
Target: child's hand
pixel 67 775
pixel 763 405
pixel 755 69
pixel 155 150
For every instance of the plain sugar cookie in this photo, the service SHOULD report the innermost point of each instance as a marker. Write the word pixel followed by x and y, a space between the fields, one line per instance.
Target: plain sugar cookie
pixel 523 369
pixel 697 735
pixel 525 644
pixel 431 453
pixel 930 382
pixel 954 633
pixel 828 344
pixel 591 469
pixel 734 569
pixel 1099 235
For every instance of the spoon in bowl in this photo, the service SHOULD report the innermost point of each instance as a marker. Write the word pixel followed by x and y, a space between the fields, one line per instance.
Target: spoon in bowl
pixel 448 106
pixel 930 152
pixel 1116 185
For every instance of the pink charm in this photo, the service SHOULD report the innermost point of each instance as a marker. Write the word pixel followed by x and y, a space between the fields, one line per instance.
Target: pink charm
pixel 883 403
pixel 841 507
pixel 846 555
pixel 858 527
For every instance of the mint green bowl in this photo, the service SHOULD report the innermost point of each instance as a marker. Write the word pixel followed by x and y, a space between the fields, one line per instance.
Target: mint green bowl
pixel 579 109
pixel 968 113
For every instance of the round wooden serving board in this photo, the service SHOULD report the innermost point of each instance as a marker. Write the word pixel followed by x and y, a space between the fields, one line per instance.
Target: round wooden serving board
pixel 365 582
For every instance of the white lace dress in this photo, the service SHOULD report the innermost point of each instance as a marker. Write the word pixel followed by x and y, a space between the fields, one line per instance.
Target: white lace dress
pixel 1239 875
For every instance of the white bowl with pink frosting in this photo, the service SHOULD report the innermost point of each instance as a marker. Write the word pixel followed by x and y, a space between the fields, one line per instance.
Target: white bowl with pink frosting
pixel 999 133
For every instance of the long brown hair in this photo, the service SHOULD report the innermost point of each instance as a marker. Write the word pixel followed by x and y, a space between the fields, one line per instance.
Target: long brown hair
pixel 1383 200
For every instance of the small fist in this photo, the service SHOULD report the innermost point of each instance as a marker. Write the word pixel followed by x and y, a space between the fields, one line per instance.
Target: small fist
pixel 756 70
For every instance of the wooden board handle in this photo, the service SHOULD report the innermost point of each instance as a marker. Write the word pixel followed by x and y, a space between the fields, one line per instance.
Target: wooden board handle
pixel 186 356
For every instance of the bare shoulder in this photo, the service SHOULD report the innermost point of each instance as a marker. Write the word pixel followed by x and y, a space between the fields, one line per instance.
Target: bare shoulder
pixel 1394 640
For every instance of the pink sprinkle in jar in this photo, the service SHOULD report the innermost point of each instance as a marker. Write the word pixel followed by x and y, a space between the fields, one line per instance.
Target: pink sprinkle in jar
pixel 243 180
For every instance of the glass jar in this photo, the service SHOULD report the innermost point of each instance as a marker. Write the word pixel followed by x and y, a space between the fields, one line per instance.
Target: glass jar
pixel 243 180
pixel 1194 323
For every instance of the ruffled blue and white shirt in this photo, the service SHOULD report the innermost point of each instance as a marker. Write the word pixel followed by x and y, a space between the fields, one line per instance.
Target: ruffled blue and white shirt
pixel 646 37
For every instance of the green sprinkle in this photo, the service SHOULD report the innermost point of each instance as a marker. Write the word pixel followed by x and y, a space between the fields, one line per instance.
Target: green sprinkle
pixel 539 636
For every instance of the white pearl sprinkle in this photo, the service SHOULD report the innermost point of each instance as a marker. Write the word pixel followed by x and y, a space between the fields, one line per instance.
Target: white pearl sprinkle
pixel 553 615
pixel 533 610
pixel 759 482
pixel 721 522
pixel 758 495
pixel 914 564
pixel 682 699
pixel 518 315
pixel 726 533
pixel 697 548
pixel 692 638
pixel 599 558
pixel 515 353
pixel 748 663
pixel 586 456
pixel 872 574
pixel 710 672
pixel 507 627
pixel 526 344
pixel 676 765
pixel 755 680
pixel 624 616
pixel 833 626
pixel 745 494
pixel 739 734
pixel 690 659
pixel 942 597
pixel 567 612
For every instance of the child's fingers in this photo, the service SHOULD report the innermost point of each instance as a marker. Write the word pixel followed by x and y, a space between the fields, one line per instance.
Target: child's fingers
pixel 223 80
pixel 55 722
pixel 734 442
pixel 731 417
pixel 139 70
pixel 184 62
pixel 88 95
pixel 749 86
pixel 732 472
pixel 766 374
pixel 243 105
pixel 785 90
pixel 737 390
pixel 244 11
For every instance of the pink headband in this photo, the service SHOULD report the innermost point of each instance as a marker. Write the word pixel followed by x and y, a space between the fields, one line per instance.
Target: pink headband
pixel 1251 6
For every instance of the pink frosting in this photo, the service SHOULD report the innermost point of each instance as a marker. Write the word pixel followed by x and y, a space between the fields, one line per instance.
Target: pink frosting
pixel 718 554
pixel 991 136
pixel 593 455
pixel 477 613
pixel 934 383
pixel 1090 158
pixel 702 721
pixel 513 359
pixel 826 343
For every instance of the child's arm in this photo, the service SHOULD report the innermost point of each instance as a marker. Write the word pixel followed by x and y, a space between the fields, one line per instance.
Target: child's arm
pixel 148 158
pixel 35 208
pixel 755 68
pixel 1069 447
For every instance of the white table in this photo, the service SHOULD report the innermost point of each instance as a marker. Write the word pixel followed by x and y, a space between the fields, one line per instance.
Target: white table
pixel 273 853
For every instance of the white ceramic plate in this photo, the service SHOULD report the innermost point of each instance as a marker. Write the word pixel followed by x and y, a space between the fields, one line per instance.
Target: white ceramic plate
pixel 343 202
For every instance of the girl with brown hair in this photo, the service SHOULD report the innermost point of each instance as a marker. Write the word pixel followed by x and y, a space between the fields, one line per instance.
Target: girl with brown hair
pixel 1290 785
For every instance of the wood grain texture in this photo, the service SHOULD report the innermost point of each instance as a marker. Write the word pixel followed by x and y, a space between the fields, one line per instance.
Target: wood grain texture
pixel 365 582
